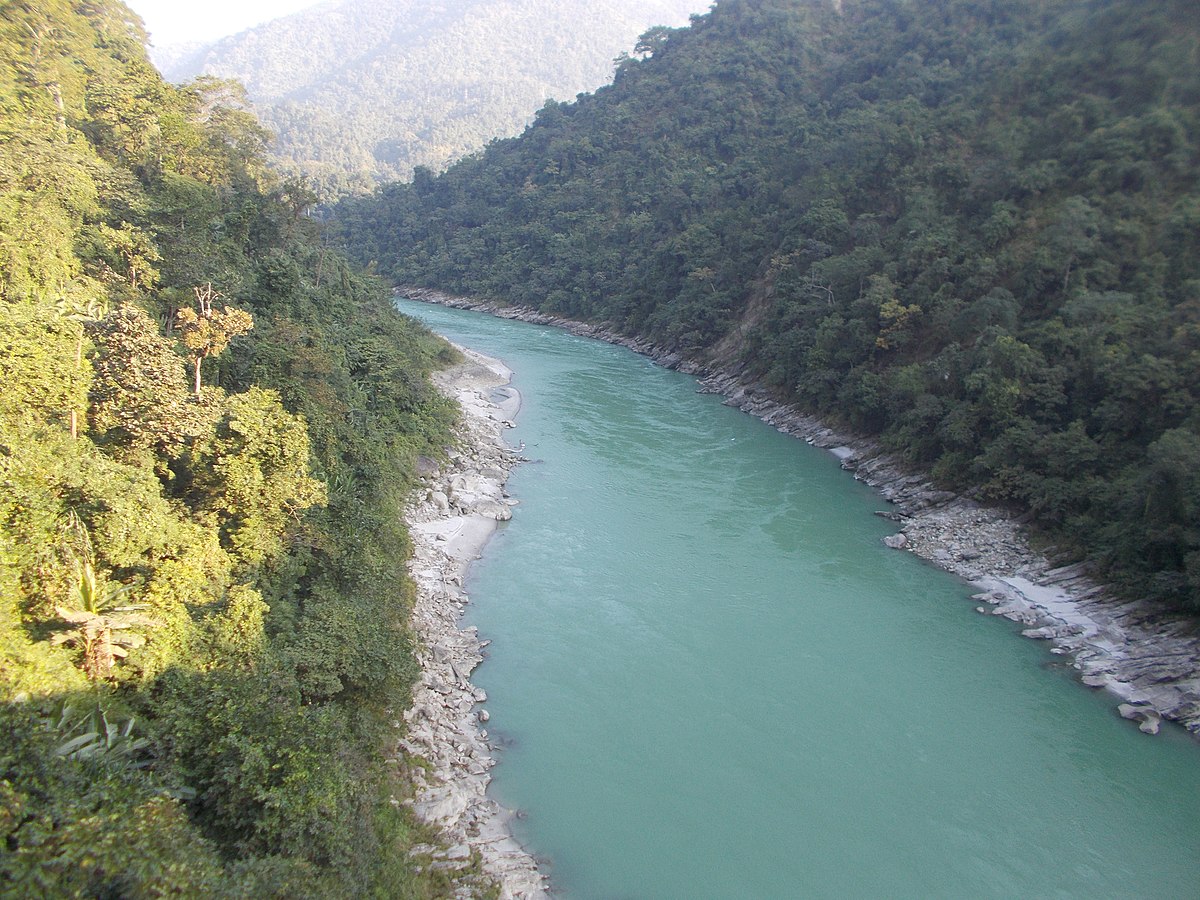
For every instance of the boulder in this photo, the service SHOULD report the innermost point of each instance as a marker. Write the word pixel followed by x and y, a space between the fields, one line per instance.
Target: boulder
pixel 896 541
pixel 501 512
pixel 1148 719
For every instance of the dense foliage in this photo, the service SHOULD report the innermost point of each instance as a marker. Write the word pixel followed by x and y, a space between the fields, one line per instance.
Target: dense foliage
pixel 969 226
pixel 362 91
pixel 203 603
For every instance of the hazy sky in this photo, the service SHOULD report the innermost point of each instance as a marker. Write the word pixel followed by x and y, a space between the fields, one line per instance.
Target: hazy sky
pixel 176 21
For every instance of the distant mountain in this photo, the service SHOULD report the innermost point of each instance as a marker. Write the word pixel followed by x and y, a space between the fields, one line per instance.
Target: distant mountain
pixel 361 91
pixel 172 57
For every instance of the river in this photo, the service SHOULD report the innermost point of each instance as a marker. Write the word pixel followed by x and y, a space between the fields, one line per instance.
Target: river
pixel 709 678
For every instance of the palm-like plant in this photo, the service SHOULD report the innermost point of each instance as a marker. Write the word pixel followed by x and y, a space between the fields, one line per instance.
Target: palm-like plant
pixel 99 624
pixel 91 735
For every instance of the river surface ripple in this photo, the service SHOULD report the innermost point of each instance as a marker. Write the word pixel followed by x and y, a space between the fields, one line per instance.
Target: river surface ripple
pixel 710 678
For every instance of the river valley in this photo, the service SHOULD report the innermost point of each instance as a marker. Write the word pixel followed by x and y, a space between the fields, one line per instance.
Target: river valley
pixel 708 676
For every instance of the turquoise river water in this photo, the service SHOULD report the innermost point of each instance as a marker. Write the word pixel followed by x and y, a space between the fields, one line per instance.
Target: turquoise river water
pixel 711 679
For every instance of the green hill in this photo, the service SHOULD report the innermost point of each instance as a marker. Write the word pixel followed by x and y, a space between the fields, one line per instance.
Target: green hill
pixel 361 91
pixel 208 428
pixel 968 226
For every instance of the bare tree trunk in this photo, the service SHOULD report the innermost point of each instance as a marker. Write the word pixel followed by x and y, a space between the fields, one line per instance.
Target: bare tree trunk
pixel 98 655
pixel 61 116
pixel 78 366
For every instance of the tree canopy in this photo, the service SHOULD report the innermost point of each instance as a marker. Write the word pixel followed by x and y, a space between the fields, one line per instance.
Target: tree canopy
pixel 362 91
pixel 967 226
pixel 203 601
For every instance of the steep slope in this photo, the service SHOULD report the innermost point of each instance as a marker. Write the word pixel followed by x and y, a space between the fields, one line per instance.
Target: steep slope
pixel 360 91
pixel 967 226
pixel 208 425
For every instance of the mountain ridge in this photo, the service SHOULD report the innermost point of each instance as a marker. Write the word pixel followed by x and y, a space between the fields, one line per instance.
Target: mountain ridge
pixel 967 227
pixel 413 86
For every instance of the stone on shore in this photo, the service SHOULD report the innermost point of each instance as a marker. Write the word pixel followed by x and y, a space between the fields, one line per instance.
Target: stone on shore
pixel 460 508
pixel 1148 719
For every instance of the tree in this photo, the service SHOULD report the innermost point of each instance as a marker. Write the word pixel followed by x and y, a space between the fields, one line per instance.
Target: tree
pixel 139 395
pixel 895 319
pixel 252 471
pixel 652 41
pixel 206 332
pixel 100 625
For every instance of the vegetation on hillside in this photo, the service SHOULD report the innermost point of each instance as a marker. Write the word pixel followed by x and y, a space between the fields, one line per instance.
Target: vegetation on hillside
pixel 208 426
pixel 362 91
pixel 969 226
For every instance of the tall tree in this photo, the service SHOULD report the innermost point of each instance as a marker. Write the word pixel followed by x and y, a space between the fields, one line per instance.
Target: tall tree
pixel 207 332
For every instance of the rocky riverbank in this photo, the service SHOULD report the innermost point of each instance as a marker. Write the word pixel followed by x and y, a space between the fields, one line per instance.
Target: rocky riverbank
pixel 450 521
pixel 1149 662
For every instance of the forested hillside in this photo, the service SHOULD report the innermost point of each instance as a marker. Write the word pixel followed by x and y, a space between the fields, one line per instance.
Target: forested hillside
pixel 361 91
pixel 969 226
pixel 208 426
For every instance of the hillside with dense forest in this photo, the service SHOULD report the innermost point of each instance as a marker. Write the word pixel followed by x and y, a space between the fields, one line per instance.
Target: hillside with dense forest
pixel 361 91
pixel 971 227
pixel 208 428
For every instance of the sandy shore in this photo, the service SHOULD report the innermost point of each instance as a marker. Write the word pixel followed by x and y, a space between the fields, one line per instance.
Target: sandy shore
pixel 450 521
pixel 1150 662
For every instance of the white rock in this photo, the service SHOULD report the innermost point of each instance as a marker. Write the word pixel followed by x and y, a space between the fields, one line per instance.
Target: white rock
pixel 1148 719
pixel 448 530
